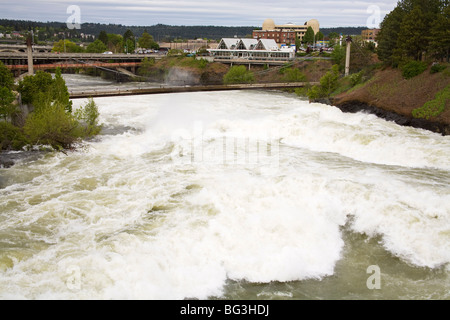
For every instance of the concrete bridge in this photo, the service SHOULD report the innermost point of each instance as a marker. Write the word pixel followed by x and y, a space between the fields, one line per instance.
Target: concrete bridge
pixel 178 89
pixel 18 48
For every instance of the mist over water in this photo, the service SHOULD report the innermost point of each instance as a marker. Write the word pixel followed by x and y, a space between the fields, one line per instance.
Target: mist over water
pixel 230 195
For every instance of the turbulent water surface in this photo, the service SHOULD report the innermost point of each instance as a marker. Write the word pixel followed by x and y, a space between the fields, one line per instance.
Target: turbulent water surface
pixel 230 195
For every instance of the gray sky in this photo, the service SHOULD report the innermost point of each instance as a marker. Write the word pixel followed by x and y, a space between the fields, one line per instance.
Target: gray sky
pixel 202 12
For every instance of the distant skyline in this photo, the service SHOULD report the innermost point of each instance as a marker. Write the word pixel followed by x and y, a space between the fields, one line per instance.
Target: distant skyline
pixel 202 12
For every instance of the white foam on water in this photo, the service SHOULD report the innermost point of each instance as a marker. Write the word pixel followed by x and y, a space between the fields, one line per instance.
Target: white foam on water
pixel 133 216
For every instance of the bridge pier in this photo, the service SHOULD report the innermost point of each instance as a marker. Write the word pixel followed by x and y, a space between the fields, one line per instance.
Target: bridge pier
pixel 30 56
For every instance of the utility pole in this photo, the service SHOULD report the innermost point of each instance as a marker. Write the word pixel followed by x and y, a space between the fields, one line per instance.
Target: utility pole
pixel 347 58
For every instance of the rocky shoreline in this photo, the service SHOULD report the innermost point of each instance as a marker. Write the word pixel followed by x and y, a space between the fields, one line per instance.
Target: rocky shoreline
pixel 357 106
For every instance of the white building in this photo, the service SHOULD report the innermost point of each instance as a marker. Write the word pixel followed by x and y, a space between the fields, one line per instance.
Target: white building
pixel 251 49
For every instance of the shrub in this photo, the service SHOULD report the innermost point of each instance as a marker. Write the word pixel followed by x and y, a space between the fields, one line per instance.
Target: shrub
pixel 52 125
pixel 436 68
pixel 293 75
pixel 434 107
pixel 356 78
pixel 238 74
pixel 11 137
pixel 413 69
pixel 328 84
pixel 88 117
pixel 7 108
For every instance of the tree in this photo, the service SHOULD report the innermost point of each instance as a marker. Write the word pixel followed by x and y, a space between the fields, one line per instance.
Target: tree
pixel 338 56
pixel 147 42
pixel 88 117
pixel 96 47
pixel 7 109
pixel 41 90
pixel 66 46
pixel 388 35
pixel 128 35
pixel 319 36
pixel 6 77
pixel 36 88
pixel 308 38
pixel 60 93
pixel 411 30
pixel 413 36
pixel 129 46
pixel 439 45
pixel 115 43
pixel 103 37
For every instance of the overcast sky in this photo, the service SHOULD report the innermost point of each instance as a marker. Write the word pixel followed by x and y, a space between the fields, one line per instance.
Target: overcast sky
pixel 202 12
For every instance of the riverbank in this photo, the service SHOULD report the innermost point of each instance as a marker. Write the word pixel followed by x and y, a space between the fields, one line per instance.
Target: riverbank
pixel 388 95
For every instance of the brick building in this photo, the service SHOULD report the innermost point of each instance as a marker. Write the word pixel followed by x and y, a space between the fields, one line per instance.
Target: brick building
pixel 370 35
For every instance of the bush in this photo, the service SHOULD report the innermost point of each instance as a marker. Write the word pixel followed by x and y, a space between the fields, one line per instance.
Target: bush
pixel 436 68
pixel 52 125
pixel 356 78
pixel 238 74
pixel 434 107
pixel 12 137
pixel 293 75
pixel 88 117
pixel 413 69
pixel 328 84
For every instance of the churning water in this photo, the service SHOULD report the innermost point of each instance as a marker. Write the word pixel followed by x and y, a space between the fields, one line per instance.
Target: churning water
pixel 230 195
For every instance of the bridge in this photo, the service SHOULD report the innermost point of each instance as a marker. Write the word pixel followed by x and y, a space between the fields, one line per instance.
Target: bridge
pixel 17 48
pixel 17 62
pixel 177 89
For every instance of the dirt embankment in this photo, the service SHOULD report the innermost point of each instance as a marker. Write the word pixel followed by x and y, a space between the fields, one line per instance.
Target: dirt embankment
pixel 392 97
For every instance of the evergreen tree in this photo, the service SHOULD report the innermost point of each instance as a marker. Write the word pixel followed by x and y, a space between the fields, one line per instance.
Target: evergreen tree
pixel 388 36
pixel 128 35
pixel 308 38
pixel 103 37
pixel 413 28
pixel 439 45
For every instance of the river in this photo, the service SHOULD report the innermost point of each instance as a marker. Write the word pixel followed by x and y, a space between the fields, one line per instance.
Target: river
pixel 229 195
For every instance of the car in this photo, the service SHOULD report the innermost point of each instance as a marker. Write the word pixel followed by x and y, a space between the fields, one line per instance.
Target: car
pixel 107 52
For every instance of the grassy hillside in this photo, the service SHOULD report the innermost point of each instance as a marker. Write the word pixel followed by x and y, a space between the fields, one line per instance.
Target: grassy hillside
pixel 390 91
